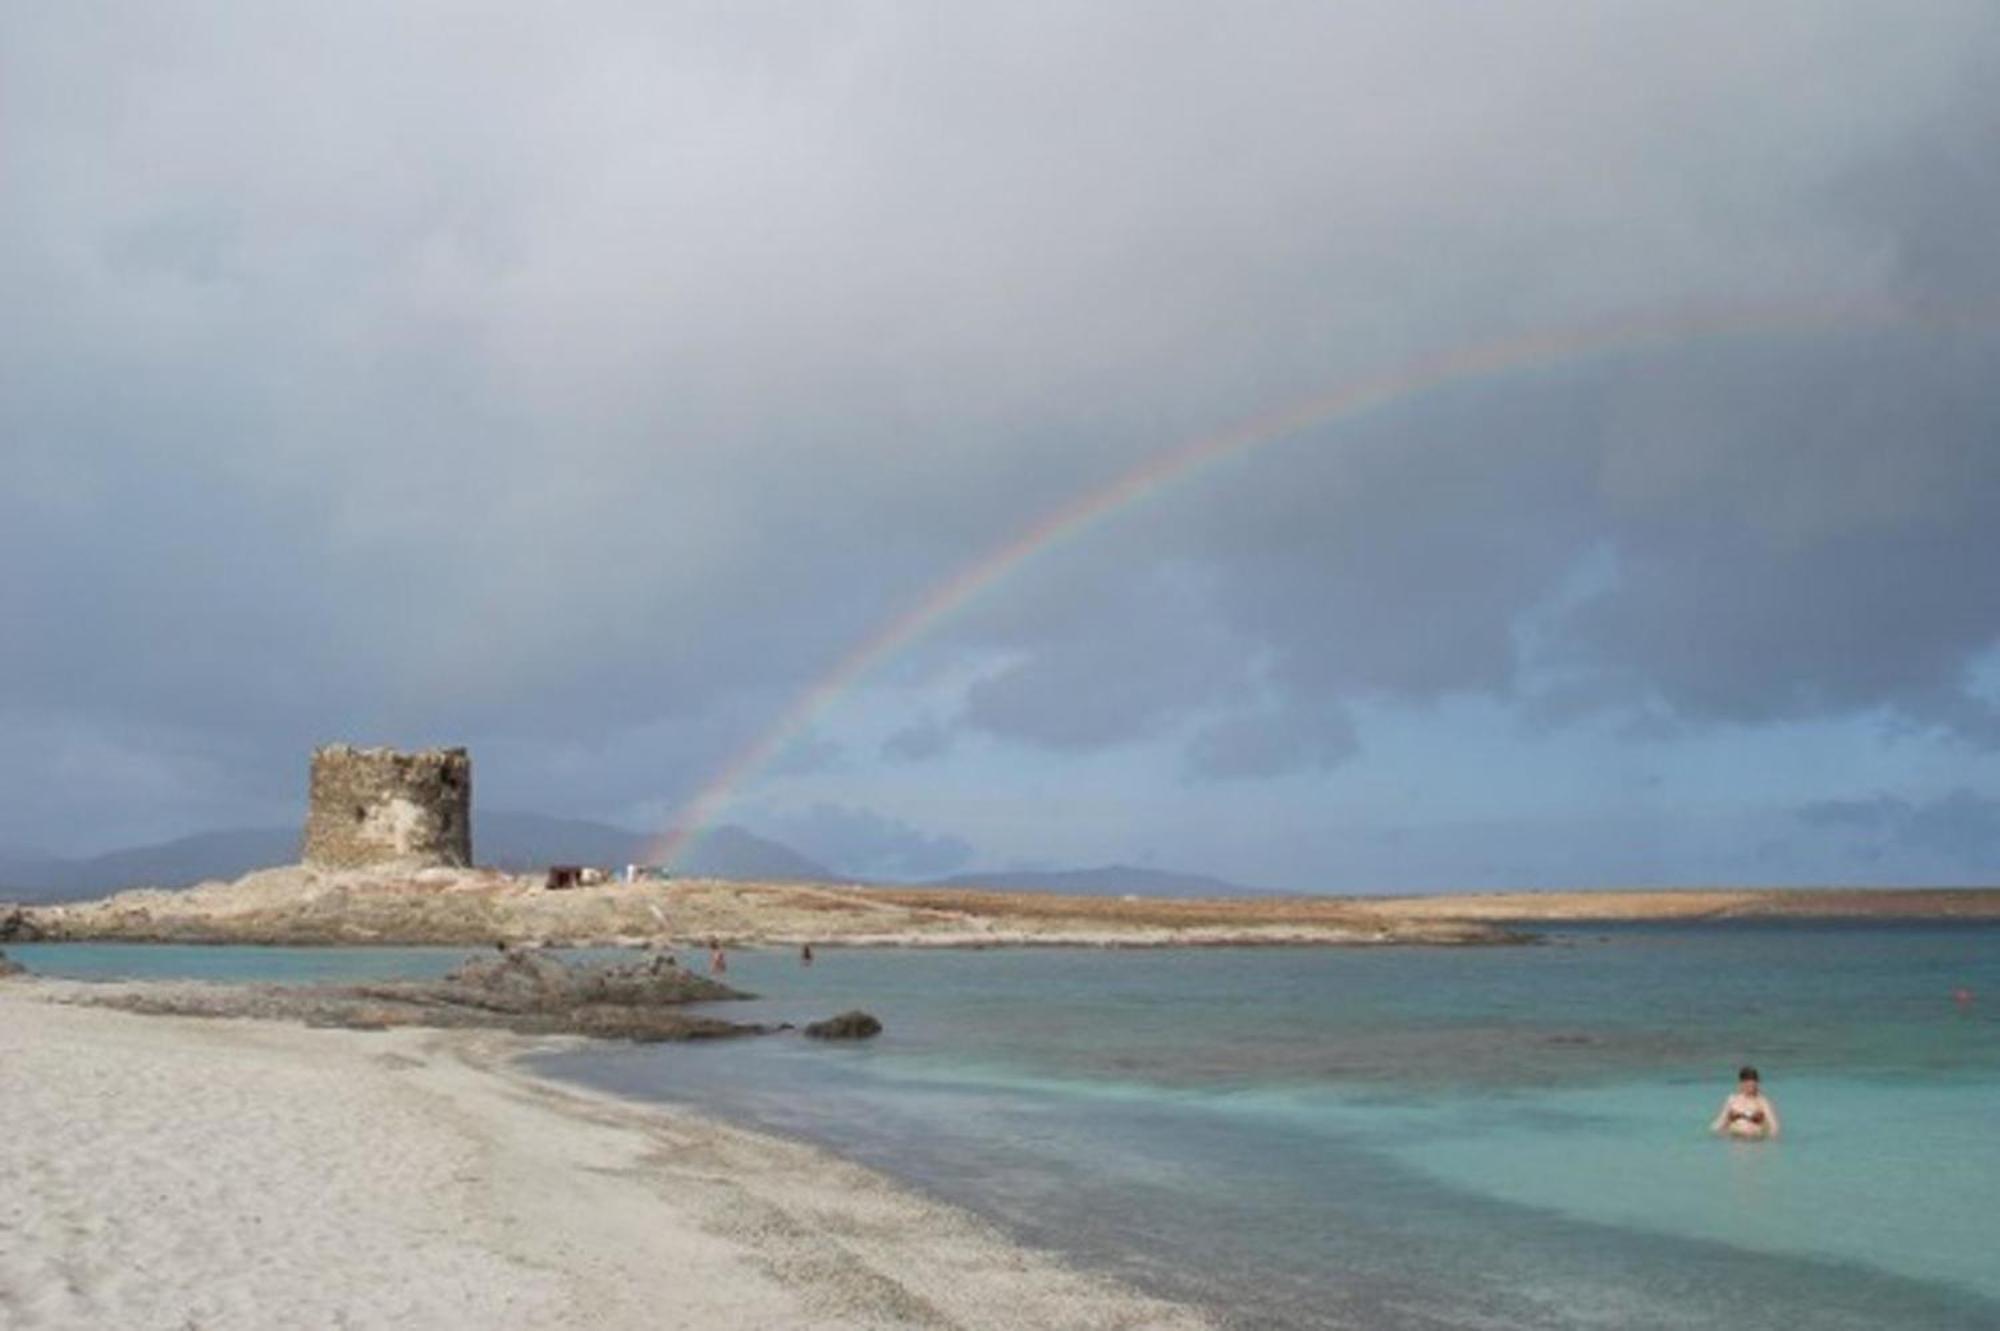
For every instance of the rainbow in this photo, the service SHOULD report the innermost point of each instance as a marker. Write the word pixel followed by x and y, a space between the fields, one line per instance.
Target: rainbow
pixel 1516 354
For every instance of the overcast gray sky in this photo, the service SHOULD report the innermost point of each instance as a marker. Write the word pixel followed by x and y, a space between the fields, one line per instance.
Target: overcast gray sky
pixel 583 382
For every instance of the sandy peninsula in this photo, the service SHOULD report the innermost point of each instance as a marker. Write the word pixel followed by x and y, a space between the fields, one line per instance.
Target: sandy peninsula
pixel 1696 904
pixel 170 1172
pixel 475 907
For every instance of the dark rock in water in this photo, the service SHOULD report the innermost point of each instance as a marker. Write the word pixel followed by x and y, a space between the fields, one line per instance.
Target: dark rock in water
pixel 529 980
pixel 856 1025
pixel 526 991
pixel 17 926
pixel 10 967
pixel 609 1021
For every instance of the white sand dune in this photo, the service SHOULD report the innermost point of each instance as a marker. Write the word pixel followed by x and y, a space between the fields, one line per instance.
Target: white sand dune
pixel 175 1173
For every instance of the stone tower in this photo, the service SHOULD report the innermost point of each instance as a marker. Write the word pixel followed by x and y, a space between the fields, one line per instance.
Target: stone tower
pixel 382 806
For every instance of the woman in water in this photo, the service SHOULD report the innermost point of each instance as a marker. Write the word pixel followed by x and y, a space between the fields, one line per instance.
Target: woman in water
pixel 1748 1113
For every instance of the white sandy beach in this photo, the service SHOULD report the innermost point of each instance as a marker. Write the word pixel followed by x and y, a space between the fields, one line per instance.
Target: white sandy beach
pixel 178 1173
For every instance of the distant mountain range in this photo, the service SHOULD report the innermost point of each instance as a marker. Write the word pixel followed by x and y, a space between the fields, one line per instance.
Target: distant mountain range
pixel 527 841
pixel 192 859
pixel 523 841
pixel 1110 881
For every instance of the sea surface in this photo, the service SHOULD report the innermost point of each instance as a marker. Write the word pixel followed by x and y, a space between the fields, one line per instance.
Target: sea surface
pixel 1492 1138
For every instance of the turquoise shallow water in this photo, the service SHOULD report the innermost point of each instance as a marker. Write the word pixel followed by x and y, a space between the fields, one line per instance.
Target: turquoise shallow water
pixel 1495 1138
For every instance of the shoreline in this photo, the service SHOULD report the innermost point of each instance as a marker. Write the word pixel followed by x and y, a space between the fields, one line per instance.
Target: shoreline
pixel 300 905
pixel 162 1171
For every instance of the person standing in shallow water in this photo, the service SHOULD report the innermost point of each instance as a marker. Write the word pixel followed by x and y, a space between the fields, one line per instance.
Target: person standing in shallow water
pixel 718 961
pixel 1748 1113
pixel 806 955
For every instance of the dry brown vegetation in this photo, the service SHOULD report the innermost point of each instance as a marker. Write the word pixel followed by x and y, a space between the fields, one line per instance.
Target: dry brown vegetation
pixel 1699 904
pixel 1493 907
pixel 1167 912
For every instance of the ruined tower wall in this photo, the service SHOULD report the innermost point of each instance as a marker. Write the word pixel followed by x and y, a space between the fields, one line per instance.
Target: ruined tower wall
pixel 383 806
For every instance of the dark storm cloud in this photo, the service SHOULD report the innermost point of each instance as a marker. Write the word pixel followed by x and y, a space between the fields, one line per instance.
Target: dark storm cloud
pixel 1818 542
pixel 1247 744
pixel 924 739
pixel 584 385
pixel 1931 199
pixel 1123 653
pixel 1766 532
pixel 1961 828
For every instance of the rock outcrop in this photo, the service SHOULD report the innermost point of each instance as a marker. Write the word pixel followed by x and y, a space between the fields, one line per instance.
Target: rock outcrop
pixel 532 980
pixel 17 926
pixel 855 1025
pixel 524 991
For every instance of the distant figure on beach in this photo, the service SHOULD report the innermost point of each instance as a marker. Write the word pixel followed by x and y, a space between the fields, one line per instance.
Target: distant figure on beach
pixel 718 962
pixel 1748 1113
pixel 806 955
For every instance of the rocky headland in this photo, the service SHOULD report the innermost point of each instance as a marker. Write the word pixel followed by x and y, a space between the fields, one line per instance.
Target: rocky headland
pixel 476 907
